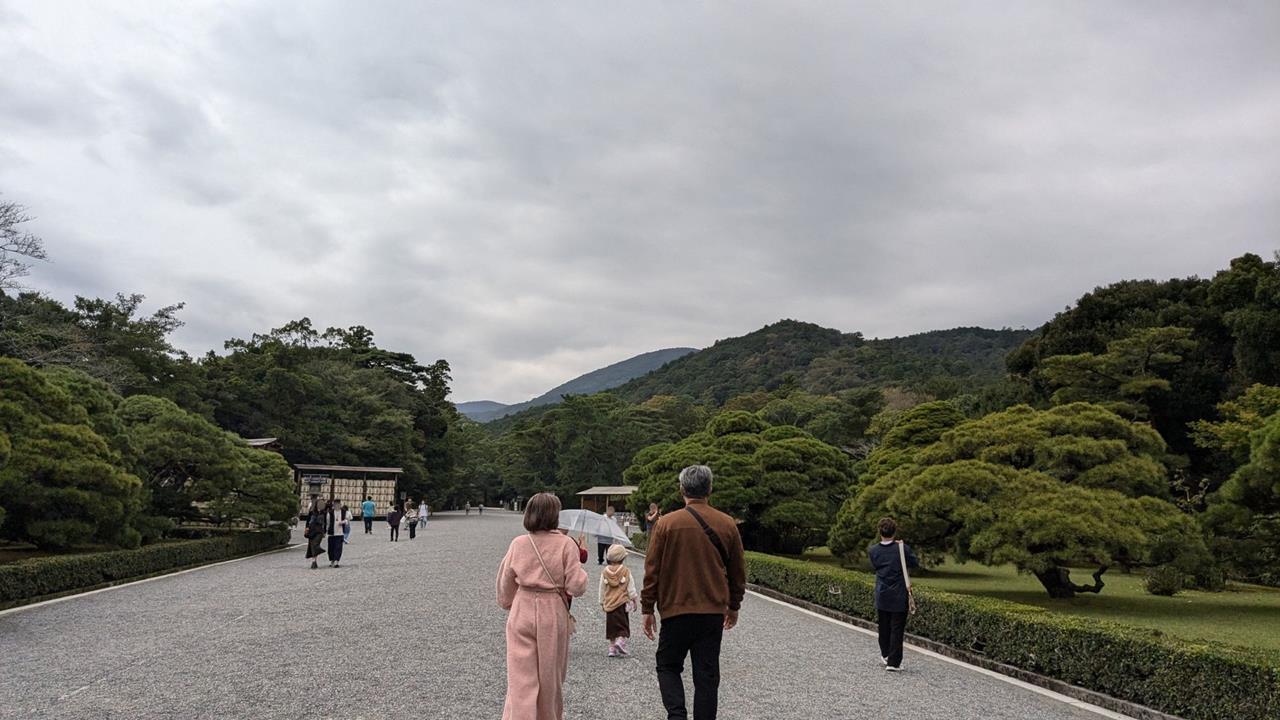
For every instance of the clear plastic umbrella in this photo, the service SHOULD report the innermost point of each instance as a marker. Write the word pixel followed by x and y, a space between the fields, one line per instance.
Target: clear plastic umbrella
pixel 585 522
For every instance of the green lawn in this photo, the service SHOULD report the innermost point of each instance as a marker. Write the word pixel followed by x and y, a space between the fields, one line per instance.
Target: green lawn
pixel 1247 615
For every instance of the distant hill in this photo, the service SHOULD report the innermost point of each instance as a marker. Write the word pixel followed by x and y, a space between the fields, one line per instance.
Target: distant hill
pixel 593 382
pixel 480 408
pixel 823 360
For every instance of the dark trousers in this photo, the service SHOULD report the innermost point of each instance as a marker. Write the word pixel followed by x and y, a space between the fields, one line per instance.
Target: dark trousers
pixel 413 529
pixel 335 548
pixel 395 533
pixel 368 525
pixel 601 549
pixel 699 636
pixel 892 626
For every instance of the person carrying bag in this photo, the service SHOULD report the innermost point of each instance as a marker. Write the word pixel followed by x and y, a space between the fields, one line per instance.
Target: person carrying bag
pixel 536 579
pixel 892 560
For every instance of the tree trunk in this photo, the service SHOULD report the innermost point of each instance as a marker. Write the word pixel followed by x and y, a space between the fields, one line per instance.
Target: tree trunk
pixel 1057 582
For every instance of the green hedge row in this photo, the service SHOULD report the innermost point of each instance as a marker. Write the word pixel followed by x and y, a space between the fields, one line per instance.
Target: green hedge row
pixel 28 580
pixel 1194 681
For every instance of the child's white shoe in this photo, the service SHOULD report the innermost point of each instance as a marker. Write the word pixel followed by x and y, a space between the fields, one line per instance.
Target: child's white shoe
pixel 622 647
pixel 613 650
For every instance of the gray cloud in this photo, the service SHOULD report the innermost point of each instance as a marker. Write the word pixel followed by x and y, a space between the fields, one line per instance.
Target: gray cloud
pixel 533 192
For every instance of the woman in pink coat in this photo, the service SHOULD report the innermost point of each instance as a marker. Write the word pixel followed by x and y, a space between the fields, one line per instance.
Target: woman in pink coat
pixel 538 598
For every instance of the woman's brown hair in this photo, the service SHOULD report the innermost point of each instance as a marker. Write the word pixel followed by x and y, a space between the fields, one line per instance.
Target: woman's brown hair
pixel 542 513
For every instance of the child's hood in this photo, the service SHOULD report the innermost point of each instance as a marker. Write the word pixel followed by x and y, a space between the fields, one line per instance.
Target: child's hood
pixel 616 575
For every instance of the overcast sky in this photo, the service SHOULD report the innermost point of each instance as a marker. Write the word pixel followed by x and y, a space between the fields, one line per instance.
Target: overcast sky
pixel 535 190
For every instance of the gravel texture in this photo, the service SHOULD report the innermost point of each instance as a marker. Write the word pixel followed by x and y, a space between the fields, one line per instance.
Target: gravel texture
pixel 411 630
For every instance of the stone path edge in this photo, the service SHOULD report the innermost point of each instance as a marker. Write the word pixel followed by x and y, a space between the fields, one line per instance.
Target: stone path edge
pixel 44 600
pixel 1082 697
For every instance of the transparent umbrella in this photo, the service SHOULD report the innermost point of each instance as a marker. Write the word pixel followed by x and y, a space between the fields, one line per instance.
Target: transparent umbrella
pixel 585 522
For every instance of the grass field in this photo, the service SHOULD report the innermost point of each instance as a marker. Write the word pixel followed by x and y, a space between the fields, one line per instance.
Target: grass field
pixel 1246 615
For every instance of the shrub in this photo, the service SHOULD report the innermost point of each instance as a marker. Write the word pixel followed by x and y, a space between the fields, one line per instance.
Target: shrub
pixel 31 579
pixel 1165 580
pixel 1193 681
pixel 640 541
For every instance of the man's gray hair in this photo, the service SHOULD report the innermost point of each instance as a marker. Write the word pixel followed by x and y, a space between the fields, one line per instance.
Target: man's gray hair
pixel 695 481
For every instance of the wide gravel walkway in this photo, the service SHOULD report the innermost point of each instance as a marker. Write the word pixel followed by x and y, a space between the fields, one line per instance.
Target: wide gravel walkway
pixel 411 630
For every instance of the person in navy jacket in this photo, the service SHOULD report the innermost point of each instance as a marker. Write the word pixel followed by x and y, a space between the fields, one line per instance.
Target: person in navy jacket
pixel 891 592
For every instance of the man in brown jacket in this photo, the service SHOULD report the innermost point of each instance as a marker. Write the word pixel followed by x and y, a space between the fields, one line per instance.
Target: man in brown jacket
pixel 695 574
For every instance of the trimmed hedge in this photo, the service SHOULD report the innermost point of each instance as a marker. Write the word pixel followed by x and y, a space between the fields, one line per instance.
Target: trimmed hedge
pixel 29 580
pixel 1194 681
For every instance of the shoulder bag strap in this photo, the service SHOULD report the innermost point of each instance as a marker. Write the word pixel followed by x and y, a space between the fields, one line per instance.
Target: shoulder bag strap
pixel 906 578
pixel 563 593
pixel 902 557
pixel 715 539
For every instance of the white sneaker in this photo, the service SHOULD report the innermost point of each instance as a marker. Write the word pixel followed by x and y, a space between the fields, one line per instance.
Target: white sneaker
pixel 890 668
pixel 884 660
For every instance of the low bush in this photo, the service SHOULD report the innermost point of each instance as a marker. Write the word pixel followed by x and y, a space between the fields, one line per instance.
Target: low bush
pixel 1194 681
pixel 1165 580
pixel 640 541
pixel 28 580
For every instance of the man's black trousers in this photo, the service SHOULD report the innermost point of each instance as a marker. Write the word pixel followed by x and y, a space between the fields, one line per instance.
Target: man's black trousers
pixel 699 636
pixel 892 626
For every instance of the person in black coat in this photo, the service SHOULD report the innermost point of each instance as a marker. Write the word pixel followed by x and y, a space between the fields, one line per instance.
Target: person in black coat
pixel 394 516
pixel 315 527
pixel 891 591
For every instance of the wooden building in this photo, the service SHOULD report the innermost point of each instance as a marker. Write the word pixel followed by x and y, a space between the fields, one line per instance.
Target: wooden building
pixel 596 499
pixel 349 484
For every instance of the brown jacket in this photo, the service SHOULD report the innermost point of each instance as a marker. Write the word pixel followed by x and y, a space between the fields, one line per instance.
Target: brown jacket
pixel 683 572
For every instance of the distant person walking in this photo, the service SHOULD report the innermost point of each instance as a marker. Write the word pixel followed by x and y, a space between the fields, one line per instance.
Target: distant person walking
pixel 651 517
pixel 336 523
pixel 618 597
pixel 602 542
pixel 393 519
pixel 536 582
pixel 695 577
pixel 313 531
pixel 367 509
pixel 893 591
pixel 346 526
pixel 411 519
pixel 468 507
pixel 422 514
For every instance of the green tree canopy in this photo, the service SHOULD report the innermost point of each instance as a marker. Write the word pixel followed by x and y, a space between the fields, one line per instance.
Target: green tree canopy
pixel 1125 378
pixel 1244 514
pixel 194 471
pixel 780 482
pixel 61 484
pixel 1038 489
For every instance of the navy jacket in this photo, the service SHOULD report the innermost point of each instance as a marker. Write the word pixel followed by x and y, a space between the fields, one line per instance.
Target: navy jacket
pixel 891 591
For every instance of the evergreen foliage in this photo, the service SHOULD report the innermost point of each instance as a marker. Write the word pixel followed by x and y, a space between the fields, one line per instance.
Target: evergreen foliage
pixel 61 483
pixel 1039 489
pixel 780 482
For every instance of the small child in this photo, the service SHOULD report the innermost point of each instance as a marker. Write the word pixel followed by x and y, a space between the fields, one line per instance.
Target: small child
pixel 618 597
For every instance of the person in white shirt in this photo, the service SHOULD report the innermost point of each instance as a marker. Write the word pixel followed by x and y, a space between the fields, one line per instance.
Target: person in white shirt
pixel 422 514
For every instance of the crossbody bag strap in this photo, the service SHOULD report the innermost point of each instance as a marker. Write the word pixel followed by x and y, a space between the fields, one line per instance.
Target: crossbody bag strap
pixel 715 539
pixel 906 578
pixel 550 577
pixel 902 557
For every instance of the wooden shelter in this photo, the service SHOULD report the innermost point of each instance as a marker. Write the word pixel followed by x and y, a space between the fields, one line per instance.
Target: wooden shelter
pixel 350 484
pixel 596 499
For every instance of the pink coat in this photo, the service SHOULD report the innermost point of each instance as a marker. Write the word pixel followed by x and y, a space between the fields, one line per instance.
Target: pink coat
pixel 538 625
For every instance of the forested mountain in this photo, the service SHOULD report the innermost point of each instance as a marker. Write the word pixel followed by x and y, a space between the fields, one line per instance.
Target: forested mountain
pixel 593 382
pixel 822 360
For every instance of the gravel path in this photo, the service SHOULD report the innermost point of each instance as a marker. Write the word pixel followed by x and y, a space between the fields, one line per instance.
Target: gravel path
pixel 411 629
